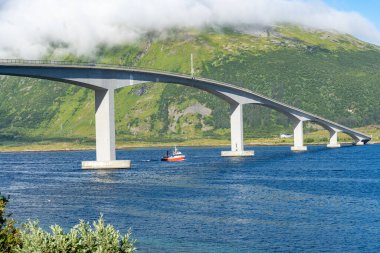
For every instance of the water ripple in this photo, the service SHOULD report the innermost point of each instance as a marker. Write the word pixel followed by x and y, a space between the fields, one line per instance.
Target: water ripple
pixel 323 200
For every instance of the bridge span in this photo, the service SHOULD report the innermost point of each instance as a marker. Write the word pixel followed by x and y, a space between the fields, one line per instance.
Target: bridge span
pixel 105 79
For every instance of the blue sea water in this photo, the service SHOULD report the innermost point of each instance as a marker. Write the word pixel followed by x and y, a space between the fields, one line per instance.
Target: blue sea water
pixel 322 200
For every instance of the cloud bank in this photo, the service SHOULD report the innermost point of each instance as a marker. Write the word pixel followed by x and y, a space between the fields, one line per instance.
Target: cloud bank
pixel 28 27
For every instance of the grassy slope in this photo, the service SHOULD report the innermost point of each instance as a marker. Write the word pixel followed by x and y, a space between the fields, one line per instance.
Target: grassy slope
pixel 335 76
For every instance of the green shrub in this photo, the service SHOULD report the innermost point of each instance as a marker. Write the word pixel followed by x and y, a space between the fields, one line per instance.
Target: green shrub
pixel 9 235
pixel 82 238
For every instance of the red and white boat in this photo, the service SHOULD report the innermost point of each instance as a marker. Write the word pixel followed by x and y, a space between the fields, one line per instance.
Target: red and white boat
pixel 175 157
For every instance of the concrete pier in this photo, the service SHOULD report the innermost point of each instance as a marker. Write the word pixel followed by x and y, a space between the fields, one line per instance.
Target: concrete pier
pixel 236 121
pixel 237 153
pixel 298 137
pixel 105 125
pixel 333 140
pixel 359 143
pixel 105 133
pixel 99 165
pixel 237 138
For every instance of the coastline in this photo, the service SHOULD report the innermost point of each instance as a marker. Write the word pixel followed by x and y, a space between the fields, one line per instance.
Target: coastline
pixel 72 146
pixel 319 137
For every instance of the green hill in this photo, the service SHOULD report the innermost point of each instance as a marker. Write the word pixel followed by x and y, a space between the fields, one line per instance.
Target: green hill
pixel 332 75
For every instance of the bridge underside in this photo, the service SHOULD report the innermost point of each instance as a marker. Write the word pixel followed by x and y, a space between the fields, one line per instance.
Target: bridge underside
pixel 105 80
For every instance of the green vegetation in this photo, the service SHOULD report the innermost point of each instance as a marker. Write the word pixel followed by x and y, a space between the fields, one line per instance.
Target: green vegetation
pixel 9 235
pixel 82 238
pixel 332 75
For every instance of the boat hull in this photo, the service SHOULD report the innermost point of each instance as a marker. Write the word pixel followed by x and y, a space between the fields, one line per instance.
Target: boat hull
pixel 173 158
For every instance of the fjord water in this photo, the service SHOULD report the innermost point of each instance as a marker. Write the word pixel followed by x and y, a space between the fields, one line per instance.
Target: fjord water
pixel 323 200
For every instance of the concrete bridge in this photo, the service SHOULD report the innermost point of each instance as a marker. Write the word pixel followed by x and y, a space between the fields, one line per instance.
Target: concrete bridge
pixel 105 79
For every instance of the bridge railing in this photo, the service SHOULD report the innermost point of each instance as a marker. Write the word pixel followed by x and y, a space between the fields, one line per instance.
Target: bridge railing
pixel 49 62
pixel 86 64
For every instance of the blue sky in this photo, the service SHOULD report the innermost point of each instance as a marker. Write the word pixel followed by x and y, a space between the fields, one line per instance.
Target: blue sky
pixel 369 9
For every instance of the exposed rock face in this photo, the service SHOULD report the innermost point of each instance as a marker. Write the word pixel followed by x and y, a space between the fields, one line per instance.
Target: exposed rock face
pixel 195 109
pixel 140 91
pixel 198 108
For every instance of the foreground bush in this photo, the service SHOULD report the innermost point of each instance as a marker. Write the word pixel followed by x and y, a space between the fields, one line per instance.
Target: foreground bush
pixel 82 238
pixel 9 235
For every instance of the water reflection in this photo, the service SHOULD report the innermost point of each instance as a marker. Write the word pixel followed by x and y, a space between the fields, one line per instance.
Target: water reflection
pixel 104 176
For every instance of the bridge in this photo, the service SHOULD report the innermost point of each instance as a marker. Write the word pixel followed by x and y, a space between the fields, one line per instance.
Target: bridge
pixel 105 79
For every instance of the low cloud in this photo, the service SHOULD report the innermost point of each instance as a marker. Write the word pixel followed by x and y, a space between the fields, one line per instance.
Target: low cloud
pixel 28 27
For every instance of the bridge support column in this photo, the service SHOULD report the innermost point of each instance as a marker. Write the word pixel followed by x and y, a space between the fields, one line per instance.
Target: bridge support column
pixel 237 142
pixel 298 137
pixel 105 134
pixel 333 140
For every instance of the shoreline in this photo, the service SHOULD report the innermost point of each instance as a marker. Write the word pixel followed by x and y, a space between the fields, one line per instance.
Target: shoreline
pixel 319 137
pixel 41 147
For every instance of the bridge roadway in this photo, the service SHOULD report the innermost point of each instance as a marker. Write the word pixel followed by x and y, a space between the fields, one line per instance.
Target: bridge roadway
pixel 105 79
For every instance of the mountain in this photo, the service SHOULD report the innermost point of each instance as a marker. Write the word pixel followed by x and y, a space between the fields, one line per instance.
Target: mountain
pixel 332 75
